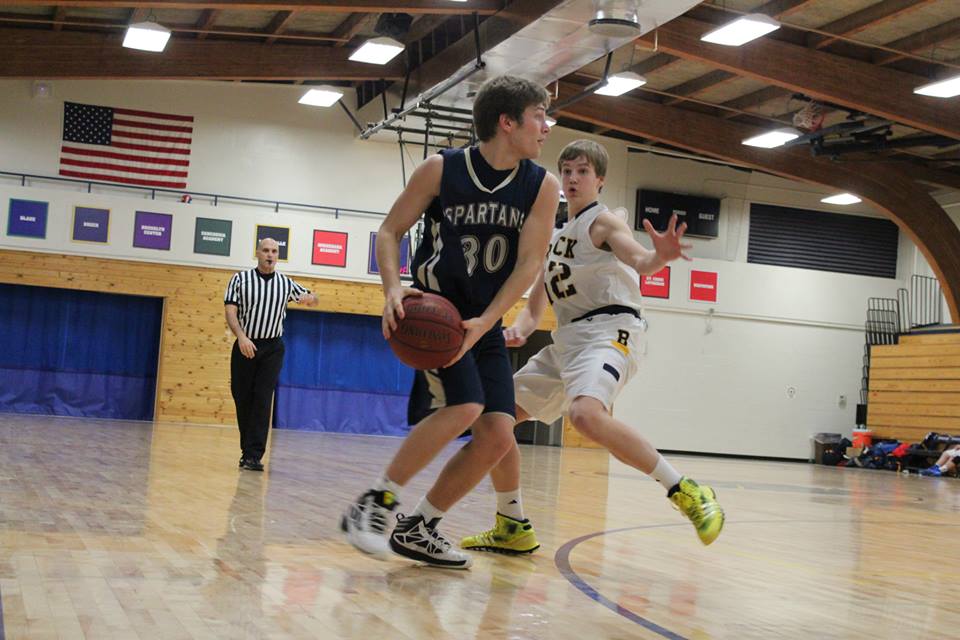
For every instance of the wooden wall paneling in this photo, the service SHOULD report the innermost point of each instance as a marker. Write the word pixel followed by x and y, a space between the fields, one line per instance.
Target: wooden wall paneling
pixel 194 364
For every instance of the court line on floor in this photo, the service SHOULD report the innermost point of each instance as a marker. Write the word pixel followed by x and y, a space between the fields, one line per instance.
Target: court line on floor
pixel 562 560
pixel 2 636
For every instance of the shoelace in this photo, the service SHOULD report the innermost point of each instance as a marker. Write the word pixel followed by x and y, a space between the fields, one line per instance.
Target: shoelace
pixel 488 537
pixel 439 543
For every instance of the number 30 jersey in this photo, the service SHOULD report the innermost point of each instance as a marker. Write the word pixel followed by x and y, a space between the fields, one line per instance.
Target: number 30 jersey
pixel 472 229
pixel 580 278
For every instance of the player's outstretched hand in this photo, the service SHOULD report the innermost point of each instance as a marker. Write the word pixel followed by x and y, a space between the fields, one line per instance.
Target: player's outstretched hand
pixel 393 308
pixel 474 328
pixel 668 244
pixel 513 337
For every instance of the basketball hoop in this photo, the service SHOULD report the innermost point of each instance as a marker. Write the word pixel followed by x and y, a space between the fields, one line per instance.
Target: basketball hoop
pixel 810 117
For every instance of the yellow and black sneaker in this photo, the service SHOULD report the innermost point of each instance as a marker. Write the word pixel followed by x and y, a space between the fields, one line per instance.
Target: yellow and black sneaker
pixel 509 536
pixel 699 504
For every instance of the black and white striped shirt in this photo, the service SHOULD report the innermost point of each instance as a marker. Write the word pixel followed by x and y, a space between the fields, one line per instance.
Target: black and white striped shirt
pixel 262 301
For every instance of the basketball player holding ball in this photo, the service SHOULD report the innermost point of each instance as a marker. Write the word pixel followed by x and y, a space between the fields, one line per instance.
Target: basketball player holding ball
pixel 591 278
pixel 489 212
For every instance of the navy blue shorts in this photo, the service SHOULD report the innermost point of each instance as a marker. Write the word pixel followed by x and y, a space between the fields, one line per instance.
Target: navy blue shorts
pixel 483 375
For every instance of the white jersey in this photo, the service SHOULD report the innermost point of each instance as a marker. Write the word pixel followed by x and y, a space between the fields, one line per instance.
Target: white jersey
pixel 580 278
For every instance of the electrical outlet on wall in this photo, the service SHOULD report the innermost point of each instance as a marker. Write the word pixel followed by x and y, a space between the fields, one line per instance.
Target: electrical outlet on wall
pixel 842 400
pixel 791 392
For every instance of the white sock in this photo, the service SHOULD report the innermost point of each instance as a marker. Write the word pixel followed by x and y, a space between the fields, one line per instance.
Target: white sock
pixel 386 484
pixel 509 504
pixel 665 474
pixel 427 510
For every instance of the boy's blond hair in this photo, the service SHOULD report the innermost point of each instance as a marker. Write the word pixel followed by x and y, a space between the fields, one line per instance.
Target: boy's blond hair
pixel 594 152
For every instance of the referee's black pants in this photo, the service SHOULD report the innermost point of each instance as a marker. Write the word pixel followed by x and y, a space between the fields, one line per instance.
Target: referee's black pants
pixel 252 382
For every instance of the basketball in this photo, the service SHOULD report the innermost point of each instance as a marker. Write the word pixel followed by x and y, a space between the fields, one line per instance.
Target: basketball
pixel 429 334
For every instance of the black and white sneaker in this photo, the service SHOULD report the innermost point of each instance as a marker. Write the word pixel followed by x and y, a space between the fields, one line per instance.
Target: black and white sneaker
pixel 365 522
pixel 419 540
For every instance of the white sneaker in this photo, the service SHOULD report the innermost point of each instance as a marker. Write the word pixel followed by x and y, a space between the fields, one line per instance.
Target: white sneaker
pixel 419 540
pixel 365 522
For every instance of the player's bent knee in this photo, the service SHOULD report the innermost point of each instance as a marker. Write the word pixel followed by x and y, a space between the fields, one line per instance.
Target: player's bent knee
pixel 492 443
pixel 585 414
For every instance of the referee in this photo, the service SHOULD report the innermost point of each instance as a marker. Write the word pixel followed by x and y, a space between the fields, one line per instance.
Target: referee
pixel 255 305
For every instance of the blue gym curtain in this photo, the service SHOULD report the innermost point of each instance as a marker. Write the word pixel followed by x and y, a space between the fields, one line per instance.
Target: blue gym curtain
pixel 78 353
pixel 340 375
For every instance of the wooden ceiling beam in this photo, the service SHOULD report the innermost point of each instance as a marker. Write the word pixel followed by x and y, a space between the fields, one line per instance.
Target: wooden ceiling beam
pixel 483 7
pixel 278 24
pixel 781 8
pixel 866 18
pixel 698 85
pixel 818 74
pixel 918 41
pixel 886 187
pixel 774 9
pixel 653 63
pixel 205 23
pixel 32 53
pixel 349 28
pixel 909 44
pixel 59 14
pixel 754 99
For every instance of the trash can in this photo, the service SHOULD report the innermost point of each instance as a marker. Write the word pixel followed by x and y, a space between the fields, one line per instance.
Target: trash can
pixel 827 448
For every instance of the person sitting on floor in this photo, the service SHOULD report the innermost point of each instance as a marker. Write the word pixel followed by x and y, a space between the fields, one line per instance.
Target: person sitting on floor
pixel 946 464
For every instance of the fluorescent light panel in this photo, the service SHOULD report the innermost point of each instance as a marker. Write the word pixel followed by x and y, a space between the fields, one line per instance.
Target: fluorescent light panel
pixel 146 36
pixel 742 30
pixel 948 88
pixel 550 121
pixel 377 51
pixel 321 97
pixel 842 198
pixel 621 83
pixel 772 139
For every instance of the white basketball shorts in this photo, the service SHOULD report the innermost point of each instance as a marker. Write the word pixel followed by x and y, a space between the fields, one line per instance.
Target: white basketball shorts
pixel 593 357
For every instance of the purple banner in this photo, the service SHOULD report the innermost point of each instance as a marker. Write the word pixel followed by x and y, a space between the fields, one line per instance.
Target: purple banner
pixel 152 230
pixel 90 225
pixel 373 267
pixel 27 218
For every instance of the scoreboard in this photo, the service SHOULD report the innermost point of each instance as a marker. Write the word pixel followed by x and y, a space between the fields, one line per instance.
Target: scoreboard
pixel 701 214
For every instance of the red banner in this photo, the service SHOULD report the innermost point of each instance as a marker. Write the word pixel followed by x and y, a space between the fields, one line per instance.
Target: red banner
pixel 656 285
pixel 330 248
pixel 703 286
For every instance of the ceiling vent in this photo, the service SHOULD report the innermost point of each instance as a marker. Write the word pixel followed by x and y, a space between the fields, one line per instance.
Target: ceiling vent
pixel 616 18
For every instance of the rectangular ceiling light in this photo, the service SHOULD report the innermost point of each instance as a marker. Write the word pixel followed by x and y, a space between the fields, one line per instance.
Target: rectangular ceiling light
pixel 948 88
pixel 146 36
pixel 621 83
pixel 742 30
pixel 772 139
pixel 321 97
pixel 842 198
pixel 377 51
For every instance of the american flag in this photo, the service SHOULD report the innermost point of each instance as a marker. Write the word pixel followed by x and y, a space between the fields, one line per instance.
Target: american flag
pixel 122 145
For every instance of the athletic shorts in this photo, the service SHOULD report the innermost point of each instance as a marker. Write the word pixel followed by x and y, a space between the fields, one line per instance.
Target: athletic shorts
pixel 483 376
pixel 593 357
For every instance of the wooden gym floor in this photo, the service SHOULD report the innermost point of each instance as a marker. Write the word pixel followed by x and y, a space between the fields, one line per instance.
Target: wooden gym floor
pixel 136 530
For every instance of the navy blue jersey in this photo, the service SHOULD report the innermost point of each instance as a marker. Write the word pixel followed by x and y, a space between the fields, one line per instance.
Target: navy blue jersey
pixel 472 229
